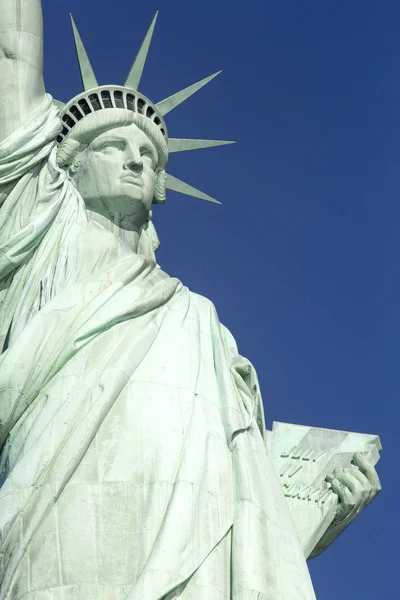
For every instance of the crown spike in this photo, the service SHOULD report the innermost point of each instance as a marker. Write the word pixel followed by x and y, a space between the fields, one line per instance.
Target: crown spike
pixel 177 185
pixel 179 145
pixel 88 77
pixel 135 74
pixel 165 106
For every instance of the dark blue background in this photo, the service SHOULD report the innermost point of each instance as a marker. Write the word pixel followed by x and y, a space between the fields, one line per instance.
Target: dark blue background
pixel 301 259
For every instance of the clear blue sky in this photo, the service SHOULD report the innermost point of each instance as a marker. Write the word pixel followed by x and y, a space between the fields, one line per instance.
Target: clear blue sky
pixel 301 260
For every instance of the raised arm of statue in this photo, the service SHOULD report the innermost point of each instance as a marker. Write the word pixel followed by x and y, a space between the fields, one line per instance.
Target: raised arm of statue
pixel 21 62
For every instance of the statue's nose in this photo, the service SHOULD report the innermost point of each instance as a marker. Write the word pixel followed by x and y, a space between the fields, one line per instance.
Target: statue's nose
pixel 136 166
pixel 134 161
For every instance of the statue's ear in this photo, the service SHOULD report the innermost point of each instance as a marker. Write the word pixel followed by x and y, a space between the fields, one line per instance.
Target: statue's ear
pixel 73 168
pixel 69 157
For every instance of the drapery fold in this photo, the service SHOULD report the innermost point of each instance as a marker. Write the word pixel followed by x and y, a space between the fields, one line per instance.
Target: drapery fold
pixel 133 463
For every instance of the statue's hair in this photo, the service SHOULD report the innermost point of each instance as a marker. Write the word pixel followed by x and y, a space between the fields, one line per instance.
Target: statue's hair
pixel 93 125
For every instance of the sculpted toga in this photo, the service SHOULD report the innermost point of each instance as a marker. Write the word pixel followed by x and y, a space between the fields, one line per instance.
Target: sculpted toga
pixel 133 460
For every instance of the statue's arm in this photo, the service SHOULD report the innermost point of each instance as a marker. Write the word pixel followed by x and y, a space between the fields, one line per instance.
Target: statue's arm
pixel 21 62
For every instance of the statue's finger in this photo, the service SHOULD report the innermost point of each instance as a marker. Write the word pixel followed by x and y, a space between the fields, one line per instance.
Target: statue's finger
pixel 342 491
pixel 361 461
pixel 368 470
pixel 369 491
pixel 355 471
pixel 352 483
pixel 361 478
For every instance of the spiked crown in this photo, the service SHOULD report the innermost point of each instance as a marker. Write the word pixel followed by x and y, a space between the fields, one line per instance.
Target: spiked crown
pixel 96 98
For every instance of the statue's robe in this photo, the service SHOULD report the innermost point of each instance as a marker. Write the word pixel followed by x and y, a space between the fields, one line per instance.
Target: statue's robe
pixel 133 460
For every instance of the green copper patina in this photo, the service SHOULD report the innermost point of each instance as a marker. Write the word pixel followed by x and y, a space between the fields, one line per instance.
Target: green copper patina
pixel 133 451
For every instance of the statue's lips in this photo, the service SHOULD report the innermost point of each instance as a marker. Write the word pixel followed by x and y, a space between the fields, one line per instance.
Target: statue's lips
pixel 134 180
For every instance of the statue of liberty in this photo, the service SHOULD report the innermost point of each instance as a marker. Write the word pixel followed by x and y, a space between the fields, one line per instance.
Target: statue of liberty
pixel 133 459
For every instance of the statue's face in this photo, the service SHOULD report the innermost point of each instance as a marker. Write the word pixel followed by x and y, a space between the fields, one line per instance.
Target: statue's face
pixel 116 176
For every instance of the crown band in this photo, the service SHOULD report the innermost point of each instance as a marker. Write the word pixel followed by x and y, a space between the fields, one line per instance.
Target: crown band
pixel 104 97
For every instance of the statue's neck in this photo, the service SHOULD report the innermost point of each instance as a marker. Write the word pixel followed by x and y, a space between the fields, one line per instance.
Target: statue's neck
pixel 129 237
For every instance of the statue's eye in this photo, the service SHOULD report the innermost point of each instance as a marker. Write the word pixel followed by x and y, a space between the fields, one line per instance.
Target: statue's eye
pixel 111 145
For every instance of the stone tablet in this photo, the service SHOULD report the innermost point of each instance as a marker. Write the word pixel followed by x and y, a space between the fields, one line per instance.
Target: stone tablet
pixel 304 457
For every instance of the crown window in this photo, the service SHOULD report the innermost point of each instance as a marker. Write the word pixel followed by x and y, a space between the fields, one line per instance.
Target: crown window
pixel 106 97
pixel 130 101
pixel 140 104
pixel 84 106
pixel 157 120
pixel 68 120
pixel 75 112
pixel 95 102
pixel 150 112
pixel 64 131
pixel 119 102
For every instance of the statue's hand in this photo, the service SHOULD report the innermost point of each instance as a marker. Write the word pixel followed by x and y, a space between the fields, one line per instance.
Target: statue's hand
pixel 356 487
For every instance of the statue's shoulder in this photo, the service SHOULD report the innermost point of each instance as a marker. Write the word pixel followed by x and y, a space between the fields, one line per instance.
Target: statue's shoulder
pixel 206 308
pixel 202 303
